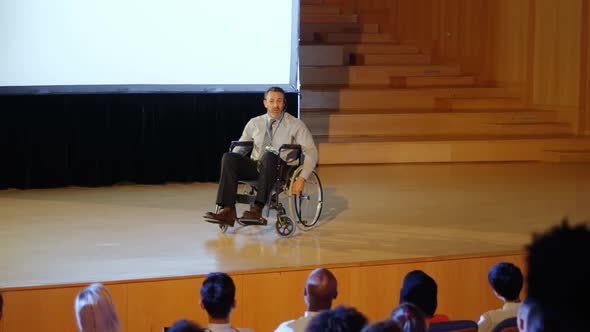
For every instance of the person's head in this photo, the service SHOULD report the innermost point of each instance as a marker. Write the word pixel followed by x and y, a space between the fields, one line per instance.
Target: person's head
pixel 530 318
pixel 383 326
pixel 320 289
pixel 274 101
pixel 340 319
pixel 95 311
pixel 506 280
pixel 410 318
pixel 218 295
pixel 420 289
pixel 184 325
pixel 558 275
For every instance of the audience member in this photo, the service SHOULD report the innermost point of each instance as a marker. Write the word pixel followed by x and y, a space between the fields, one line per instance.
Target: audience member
pixel 319 291
pixel 218 294
pixel 558 277
pixel 421 290
pixel 383 326
pixel 95 311
pixel 184 325
pixel 340 319
pixel 506 281
pixel 410 318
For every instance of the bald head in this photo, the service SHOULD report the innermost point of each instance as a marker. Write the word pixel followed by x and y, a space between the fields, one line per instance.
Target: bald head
pixel 320 289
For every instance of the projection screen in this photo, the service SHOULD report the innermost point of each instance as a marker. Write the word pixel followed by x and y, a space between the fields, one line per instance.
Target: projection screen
pixel 129 46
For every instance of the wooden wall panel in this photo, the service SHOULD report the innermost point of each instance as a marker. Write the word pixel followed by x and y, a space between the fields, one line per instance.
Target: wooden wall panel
pixel 506 48
pixel 264 298
pixel 153 305
pixel 557 54
pixel 51 309
pixel 584 124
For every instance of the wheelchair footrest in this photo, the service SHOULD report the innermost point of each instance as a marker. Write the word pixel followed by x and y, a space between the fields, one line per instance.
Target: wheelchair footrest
pixel 215 221
pixel 252 222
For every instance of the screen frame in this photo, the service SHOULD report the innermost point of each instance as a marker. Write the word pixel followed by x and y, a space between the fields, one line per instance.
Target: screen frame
pixel 292 86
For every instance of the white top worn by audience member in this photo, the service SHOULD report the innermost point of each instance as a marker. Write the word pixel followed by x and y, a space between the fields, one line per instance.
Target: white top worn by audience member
pixel 490 319
pixel 296 325
pixel 225 328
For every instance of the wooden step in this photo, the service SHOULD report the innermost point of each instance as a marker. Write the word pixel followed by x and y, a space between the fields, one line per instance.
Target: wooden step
pixel 360 38
pixel 333 55
pixel 387 48
pixel 318 9
pixel 326 18
pixel 390 59
pixel 339 27
pixel 321 55
pixel 329 123
pixel 478 103
pixel 369 75
pixel 389 98
pixel 431 81
pixel 451 149
pixel 567 156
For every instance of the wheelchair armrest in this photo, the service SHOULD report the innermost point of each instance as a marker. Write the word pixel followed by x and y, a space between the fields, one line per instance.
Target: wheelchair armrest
pixel 296 148
pixel 290 147
pixel 242 144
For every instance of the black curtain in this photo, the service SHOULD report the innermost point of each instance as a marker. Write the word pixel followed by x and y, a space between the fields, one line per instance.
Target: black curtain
pixel 97 140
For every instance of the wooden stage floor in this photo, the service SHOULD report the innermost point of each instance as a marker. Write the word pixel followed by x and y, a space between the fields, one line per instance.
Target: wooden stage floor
pixel 371 212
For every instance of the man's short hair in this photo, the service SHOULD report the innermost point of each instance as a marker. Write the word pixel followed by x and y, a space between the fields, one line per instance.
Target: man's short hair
pixel 558 275
pixel 273 89
pixel 340 319
pixel 184 325
pixel 506 279
pixel 218 294
pixel 421 290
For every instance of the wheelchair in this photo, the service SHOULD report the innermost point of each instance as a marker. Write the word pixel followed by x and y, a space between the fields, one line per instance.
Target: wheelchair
pixel 304 209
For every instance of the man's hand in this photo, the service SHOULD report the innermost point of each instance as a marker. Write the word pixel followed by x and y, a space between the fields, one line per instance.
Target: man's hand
pixel 298 185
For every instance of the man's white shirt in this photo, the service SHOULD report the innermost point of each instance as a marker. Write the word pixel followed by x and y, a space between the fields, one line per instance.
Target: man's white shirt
pixel 298 324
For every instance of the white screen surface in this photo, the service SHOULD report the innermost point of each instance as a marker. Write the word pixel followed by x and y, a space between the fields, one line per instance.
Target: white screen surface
pixel 142 46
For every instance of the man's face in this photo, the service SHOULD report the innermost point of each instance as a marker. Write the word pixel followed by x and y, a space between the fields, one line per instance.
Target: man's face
pixel 274 103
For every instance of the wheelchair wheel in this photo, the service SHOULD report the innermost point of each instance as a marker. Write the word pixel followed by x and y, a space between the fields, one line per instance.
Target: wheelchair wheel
pixel 306 207
pixel 284 225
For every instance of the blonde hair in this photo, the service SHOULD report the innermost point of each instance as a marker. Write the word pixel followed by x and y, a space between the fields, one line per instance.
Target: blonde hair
pixel 95 311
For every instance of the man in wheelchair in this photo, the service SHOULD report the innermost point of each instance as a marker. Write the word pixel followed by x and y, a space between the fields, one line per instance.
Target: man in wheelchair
pixel 268 133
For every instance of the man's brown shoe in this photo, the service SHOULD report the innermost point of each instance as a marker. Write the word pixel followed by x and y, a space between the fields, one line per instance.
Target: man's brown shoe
pixel 226 216
pixel 254 213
